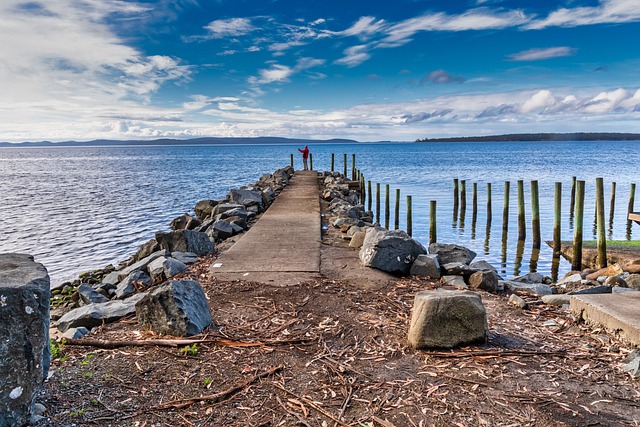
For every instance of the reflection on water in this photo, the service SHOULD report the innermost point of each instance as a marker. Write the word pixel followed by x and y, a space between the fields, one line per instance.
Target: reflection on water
pixel 81 208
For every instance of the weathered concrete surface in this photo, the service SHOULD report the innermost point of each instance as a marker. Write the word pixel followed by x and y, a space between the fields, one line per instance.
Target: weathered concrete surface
pixel 284 245
pixel 24 336
pixel 617 313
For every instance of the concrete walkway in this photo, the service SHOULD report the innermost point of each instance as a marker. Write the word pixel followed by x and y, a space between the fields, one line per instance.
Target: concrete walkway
pixel 283 247
pixel 619 313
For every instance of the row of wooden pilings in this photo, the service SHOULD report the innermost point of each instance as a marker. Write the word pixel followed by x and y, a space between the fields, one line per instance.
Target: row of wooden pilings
pixel 576 216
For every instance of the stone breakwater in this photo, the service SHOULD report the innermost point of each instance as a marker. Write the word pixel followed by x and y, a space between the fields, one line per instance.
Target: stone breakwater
pixel 136 285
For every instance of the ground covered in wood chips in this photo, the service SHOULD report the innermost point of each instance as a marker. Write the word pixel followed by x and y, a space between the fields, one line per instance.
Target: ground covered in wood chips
pixel 326 353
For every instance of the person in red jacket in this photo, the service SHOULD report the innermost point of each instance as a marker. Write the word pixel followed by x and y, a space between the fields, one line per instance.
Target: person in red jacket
pixel 305 156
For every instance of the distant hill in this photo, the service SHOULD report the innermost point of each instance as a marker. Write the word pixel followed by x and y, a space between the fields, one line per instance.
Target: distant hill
pixel 166 141
pixel 531 137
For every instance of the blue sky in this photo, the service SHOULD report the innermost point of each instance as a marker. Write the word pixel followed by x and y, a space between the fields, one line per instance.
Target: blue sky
pixel 401 70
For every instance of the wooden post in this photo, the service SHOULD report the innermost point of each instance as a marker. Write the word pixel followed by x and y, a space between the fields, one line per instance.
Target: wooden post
pixel 577 228
pixel 522 232
pixel 370 198
pixel 463 198
pixel 612 207
pixel 602 239
pixel 572 202
pixel 535 215
pixel 386 207
pixel 632 196
pixel 396 222
pixel 333 163
pixel 353 167
pixel 378 203
pixel 474 208
pixel 291 160
pixel 310 161
pixel 432 223
pixel 505 210
pixel 344 173
pixel 489 208
pixel 409 218
pixel 557 217
pixel 456 202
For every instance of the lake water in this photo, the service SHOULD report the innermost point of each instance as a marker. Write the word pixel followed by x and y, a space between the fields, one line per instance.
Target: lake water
pixel 77 209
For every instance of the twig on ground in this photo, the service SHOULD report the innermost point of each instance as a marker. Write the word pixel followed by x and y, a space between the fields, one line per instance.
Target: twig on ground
pixel 109 344
pixel 311 404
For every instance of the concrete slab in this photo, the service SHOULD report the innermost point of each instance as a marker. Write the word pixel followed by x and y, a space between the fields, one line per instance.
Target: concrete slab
pixel 284 242
pixel 619 314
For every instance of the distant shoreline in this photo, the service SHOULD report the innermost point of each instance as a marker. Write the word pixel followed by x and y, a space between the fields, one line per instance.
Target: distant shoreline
pixel 541 137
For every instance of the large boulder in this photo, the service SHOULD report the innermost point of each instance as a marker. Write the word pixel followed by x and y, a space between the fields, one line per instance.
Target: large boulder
pixel 177 308
pixel 220 230
pixel 447 318
pixel 24 336
pixel 246 197
pixel 186 241
pixel 88 295
pixel 165 268
pixel 448 253
pixel 485 280
pixel 140 265
pixel 391 251
pixel 204 208
pixel 93 315
pixel 426 265
pixel 185 222
pixel 128 285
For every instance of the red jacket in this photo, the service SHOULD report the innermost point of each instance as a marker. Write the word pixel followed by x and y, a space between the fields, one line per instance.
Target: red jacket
pixel 305 152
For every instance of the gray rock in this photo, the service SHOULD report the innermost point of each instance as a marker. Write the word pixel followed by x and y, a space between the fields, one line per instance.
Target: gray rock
pixel 528 288
pixel 572 279
pixel 530 278
pixel 446 318
pixel 93 315
pixel 224 207
pixel 340 222
pixel 426 265
pixel 185 257
pixel 146 249
pixel 110 280
pixel 75 333
pixel 246 197
pixel 482 265
pixel 517 301
pixel 451 253
pixel 176 308
pixel 455 281
pixel 621 290
pixel 632 363
pixel 186 241
pixel 88 295
pixel 204 208
pixel 633 281
pixel 559 299
pixel 615 281
pixel 142 264
pixel 24 336
pixel 165 268
pixel 236 212
pixel 457 268
pixel 484 280
pixel 602 289
pixel 238 222
pixel 391 251
pixel 39 409
pixel 220 230
pixel 128 284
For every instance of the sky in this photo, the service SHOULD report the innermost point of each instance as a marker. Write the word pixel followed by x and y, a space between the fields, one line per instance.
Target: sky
pixel 366 70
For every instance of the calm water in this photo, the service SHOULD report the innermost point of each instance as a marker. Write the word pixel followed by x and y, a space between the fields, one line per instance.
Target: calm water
pixel 76 209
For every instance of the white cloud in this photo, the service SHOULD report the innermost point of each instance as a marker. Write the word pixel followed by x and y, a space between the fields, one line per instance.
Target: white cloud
pixel 364 27
pixel 540 54
pixel 607 12
pixel 354 56
pixel 232 27
pixel 277 73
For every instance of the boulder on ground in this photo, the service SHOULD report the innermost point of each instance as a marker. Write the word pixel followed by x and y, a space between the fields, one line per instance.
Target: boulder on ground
pixel 559 299
pixel 185 257
pixel 224 207
pixel 142 264
pixel 482 265
pixel 177 308
pixel 185 222
pixel 165 268
pixel 146 249
pixel 485 280
pixel 93 315
pixel 451 253
pixel 220 230
pixel 128 285
pixel 186 241
pixel 426 265
pixel 457 268
pixel 357 239
pixel 616 281
pixel 391 251
pixel 204 208
pixel 24 336
pixel 633 281
pixel 517 301
pixel 529 278
pixel 602 289
pixel 527 288
pixel 455 281
pixel 246 197
pixel 88 295
pixel 447 318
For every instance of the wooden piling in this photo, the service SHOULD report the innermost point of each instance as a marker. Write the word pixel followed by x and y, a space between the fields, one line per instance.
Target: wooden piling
pixel 456 202
pixel 344 159
pixel 602 239
pixel 291 160
pixel 396 222
pixel 353 167
pixel 370 198
pixel 489 207
pixel 522 231
pixel 577 227
pixel 632 196
pixel 612 206
pixel 557 217
pixel 333 161
pixel 505 210
pixel 386 207
pixel 310 161
pixel 378 203
pixel 409 218
pixel 572 202
pixel 535 215
pixel 463 197
pixel 474 207
pixel 432 222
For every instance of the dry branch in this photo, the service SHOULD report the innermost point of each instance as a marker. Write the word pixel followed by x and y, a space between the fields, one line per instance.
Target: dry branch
pixel 111 344
pixel 496 353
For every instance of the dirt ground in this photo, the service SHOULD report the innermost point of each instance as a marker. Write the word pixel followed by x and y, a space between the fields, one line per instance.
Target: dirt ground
pixel 333 352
